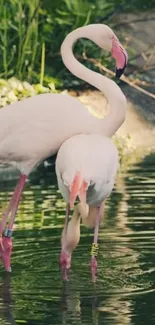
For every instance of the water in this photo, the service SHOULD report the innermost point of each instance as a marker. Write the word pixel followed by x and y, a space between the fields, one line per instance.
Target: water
pixel 124 294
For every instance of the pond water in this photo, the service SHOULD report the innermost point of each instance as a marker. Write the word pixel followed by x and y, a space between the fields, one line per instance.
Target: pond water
pixel 124 293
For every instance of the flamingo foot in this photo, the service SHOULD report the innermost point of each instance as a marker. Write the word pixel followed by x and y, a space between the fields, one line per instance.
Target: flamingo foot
pixel 93 265
pixel 6 250
pixel 65 263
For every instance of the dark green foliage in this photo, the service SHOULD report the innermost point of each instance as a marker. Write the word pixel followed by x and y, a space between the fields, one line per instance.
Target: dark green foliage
pixel 28 24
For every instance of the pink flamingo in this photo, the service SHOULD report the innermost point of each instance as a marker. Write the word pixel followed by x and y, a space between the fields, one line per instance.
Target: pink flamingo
pixel 86 166
pixel 35 128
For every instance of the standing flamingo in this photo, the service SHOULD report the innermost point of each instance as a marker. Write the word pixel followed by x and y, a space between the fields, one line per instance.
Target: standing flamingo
pixel 34 128
pixel 86 166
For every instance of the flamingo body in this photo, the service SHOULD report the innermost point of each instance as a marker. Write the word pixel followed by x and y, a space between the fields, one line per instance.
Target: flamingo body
pixel 34 128
pixel 86 166
pixel 96 157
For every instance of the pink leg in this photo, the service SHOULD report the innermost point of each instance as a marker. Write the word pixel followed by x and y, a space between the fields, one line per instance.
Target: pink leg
pixel 95 246
pixel 64 258
pixel 15 204
pixel 8 209
pixel 6 241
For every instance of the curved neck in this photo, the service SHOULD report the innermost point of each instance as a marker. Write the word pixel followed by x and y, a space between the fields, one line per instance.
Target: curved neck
pixel 80 211
pixel 87 213
pixel 114 95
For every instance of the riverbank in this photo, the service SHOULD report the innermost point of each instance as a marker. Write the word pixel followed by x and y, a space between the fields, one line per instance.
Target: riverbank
pixel 137 128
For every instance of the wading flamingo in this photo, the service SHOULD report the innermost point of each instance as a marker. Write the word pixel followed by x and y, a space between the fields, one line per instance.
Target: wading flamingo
pixel 86 166
pixel 34 128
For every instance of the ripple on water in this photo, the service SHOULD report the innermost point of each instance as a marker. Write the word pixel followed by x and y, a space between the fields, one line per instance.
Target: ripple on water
pixel 34 293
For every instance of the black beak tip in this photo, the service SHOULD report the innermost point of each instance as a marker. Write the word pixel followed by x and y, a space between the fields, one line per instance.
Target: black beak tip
pixel 119 72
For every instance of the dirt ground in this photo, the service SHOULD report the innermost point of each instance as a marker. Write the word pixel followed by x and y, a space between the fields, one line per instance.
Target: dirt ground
pixel 139 124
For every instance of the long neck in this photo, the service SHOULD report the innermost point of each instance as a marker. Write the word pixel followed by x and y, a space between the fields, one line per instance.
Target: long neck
pixel 114 95
pixel 87 213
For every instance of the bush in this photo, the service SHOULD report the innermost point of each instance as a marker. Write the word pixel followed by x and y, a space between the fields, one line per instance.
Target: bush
pixel 13 90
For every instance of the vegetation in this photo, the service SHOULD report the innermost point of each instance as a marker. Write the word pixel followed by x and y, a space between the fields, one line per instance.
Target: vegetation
pixel 31 33
pixel 12 90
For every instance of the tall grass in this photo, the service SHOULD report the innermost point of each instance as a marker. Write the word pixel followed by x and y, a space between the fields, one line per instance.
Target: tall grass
pixel 42 64
pixel 19 37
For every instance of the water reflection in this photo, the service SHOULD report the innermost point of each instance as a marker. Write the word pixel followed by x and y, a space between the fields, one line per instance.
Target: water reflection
pixel 6 314
pixel 124 292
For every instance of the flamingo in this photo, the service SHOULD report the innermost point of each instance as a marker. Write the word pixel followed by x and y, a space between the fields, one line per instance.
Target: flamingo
pixel 35 128
pixel 86 166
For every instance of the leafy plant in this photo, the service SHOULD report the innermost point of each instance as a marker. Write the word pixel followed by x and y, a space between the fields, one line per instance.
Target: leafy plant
pixel 31 33
pixel 12 90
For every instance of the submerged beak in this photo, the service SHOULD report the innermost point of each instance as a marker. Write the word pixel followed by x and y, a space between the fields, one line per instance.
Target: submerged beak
pixel 120 55
pixel 78 188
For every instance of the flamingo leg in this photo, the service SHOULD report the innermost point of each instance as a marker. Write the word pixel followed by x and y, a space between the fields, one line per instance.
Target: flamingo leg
pixel 95 246
pixel 64 258
pixel 8 210
pixel 6 241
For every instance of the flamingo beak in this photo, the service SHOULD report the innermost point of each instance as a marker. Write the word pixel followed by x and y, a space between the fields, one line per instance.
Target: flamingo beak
pixel 78 188
pixel 120 55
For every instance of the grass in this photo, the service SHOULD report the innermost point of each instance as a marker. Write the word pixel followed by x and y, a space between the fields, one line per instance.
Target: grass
pixel 19 32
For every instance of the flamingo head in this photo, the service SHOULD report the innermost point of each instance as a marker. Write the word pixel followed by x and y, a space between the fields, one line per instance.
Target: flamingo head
pixel 78 188
pixel 105 38
pixel 120 55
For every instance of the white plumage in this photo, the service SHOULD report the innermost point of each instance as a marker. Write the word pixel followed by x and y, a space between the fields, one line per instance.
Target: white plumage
pixel 95 157
pixel 86 166
pixel 34 128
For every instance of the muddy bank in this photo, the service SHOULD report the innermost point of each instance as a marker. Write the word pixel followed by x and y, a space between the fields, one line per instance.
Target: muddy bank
pixel 139 126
